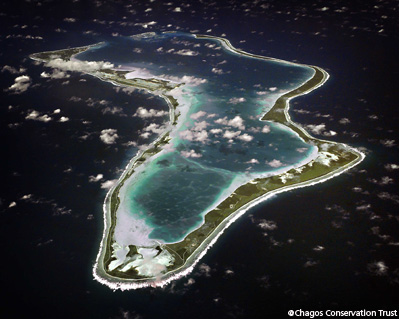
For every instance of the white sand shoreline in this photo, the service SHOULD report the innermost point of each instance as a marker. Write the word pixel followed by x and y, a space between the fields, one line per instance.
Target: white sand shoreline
pixel 115 283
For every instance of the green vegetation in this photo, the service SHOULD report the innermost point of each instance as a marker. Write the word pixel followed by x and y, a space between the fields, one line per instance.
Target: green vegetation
pixel 65 54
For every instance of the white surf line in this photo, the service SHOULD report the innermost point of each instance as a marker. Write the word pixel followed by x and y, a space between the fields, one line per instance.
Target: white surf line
pixel 117 283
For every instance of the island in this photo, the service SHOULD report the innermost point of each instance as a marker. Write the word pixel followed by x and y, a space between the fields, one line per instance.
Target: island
pixel 230 143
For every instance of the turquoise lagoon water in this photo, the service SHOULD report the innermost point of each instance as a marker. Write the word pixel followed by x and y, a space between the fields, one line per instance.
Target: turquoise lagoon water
pixel 212 149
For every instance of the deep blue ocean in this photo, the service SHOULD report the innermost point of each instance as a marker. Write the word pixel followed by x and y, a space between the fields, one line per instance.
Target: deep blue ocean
pixel 331 246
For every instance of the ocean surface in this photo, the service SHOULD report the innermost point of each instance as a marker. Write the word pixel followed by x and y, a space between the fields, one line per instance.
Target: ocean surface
pixel 331 246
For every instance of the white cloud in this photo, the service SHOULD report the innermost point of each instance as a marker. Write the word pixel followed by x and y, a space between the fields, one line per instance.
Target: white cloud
pixel 190 153
pixel 231 134
pixel 21 84
pixel 108 184
pixel 199 126
pixel 379 268
pixel 70 20
pixel 216 131
pixel 145 113
pixel 391 167
pixel 245 137
pixel 56 74
pixel 217 71
pixel 35 116
pixel 196 116
pixel 237 122
pixel 177 9
pixel 252 161
pixel 344 121
pixel 186 79
pixel 63 119
pixel 12 70
pixel 109 136
pixel 316 129
pixel 388 143
pixel 12 204
pixel 266 129
pixel 146 24
pixel 205 269
pixel 94 179
pixel 236 100
pixel 186 52
pixel 199 136
pixel 154 128
pixel 274 163
pixel 267 224
pixel 80 66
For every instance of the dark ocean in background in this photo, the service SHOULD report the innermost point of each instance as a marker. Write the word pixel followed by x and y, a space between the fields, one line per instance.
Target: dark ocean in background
pixel 330 246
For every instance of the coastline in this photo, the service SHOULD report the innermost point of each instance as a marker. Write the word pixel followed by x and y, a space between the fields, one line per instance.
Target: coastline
pixel 238 202
pixel 117 283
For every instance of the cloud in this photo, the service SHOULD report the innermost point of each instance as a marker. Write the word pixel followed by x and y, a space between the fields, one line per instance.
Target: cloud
pixel 267 224
pixel 145 25
pixel 237 122
pixel 63 119
pixel 190 153
pixel 186 52
pixel 316 129
pixel 391 167
pixel 80 66
pixel 344 121
pixel 21 84
pixel 56 74
pixel 199 136
pixel 310 263
pixel 320 129
pixel 236 100
pixel 12 70
pixel 109 136
pixel 94 179
pixel 378 268
pixel 388 143
pixel 196 116
pixel 252 161
pixel 274 163
pixel 385 180
pixel 205 270
pixel 231 134
pixel 12 204
pixel 35 116
pixel 217 71
pixel 245 137
pixel 186 79
pixel 266 129
pixel 145 113
pixel 216 131
pixel 70 20
pixel 108 184
pixel 113 110
pixel 199 126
